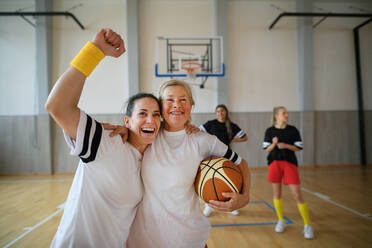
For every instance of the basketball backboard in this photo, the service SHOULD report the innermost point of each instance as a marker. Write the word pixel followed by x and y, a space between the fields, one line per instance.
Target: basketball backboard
pixel 185 56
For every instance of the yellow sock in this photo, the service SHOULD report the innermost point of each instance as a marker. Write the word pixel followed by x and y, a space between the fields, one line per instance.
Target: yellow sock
pixel 302 207
pixel 278 204
pixel 87 59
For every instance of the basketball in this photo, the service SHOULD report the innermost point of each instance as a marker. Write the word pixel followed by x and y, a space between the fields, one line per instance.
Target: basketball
pixel 215 176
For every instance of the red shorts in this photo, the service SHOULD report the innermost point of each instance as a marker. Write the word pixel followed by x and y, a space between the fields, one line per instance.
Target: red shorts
pixel 281 168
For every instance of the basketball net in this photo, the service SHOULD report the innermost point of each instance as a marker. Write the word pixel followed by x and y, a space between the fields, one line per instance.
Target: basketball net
pixel 191 68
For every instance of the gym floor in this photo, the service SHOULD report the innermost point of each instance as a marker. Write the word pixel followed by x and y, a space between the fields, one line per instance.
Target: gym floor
pixel 341 214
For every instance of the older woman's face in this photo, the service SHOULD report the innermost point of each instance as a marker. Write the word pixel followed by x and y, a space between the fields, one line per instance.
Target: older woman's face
pixel 176 108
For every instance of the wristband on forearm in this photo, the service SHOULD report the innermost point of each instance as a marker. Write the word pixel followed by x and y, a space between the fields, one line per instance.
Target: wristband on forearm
pixel 87 59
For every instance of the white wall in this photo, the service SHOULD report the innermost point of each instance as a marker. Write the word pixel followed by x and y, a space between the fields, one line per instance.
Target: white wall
pixel 262 64
pixel 334 70
pixel 334 59
pixel 174 18
pixel 17 61
pixel 107 87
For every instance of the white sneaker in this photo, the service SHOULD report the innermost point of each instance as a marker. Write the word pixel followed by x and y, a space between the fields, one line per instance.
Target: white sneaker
pixel 308 232
pixel 280 226
pixel 207 210
pixel 235 212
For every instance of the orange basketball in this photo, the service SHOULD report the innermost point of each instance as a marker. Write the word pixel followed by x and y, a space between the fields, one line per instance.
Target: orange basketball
pixel 216 175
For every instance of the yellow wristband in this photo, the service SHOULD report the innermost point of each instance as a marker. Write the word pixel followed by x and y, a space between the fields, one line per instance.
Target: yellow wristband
pixel 88 58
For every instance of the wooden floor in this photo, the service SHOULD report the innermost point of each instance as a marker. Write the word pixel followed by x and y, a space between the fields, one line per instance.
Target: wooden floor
pixel 339 200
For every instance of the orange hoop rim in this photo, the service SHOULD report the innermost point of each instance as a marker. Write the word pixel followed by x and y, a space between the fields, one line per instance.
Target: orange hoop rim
pixel 192 66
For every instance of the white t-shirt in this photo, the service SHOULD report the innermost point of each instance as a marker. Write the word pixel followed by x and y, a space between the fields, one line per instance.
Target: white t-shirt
pixel 105 192
pixel 169 214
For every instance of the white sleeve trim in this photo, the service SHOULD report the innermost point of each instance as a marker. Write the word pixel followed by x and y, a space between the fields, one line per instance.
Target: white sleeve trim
pixel 238 161
pixel 240 134
pixel 298 144
pixel 265 144
pixel 201 127
pixel 91 136
pixel 232 156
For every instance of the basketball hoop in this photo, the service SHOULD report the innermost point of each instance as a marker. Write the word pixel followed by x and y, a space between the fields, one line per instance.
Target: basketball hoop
pixel 190 68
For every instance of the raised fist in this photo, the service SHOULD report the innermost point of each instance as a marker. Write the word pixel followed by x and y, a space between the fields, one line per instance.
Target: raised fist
pixel 109 42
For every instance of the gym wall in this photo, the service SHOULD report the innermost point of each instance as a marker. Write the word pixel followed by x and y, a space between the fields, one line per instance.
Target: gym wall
pixel 262 72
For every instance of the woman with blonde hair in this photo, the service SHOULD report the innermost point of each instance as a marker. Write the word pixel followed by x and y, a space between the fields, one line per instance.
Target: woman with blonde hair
pixel 281 142
pixel 169 214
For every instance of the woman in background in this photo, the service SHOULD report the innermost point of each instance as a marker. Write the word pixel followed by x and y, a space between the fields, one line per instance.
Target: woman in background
pixel 227 132
pixel 281 142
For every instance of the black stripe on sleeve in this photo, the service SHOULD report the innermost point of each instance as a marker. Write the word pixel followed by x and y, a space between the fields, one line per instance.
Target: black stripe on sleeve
pixel 228 154
pixel 234 158
pixel 88 126
pixel 95 144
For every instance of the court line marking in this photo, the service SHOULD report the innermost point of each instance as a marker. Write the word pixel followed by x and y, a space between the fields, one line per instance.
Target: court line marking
pixel 254 224
pixel 61 207
pixel 30 229
pixel 37 180
pixel 321 171
pixel 328 199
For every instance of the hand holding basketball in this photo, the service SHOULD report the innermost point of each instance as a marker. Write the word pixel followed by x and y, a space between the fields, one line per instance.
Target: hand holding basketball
pixel 220 183
pixel 215 177
pixel 236 201
pixel 109 42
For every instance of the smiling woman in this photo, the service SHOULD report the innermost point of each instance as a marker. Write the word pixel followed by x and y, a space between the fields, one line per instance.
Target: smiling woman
pixel 142 119
pixel 169 214
pixel 107 186
pixel 177 102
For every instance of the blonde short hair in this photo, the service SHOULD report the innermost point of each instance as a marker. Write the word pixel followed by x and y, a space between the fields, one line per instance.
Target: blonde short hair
pixel 183 84
pixel 175 82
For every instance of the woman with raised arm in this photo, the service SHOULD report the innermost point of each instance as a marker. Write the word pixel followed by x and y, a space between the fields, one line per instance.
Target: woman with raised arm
pixel 169 214
pixel 281 142
pixel 107 186
pixel 227 132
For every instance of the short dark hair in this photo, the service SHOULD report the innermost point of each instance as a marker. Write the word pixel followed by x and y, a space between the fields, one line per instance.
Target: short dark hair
pixel 132 101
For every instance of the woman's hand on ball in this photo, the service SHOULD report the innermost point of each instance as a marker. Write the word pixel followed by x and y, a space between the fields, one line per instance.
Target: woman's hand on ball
pixel 236 201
